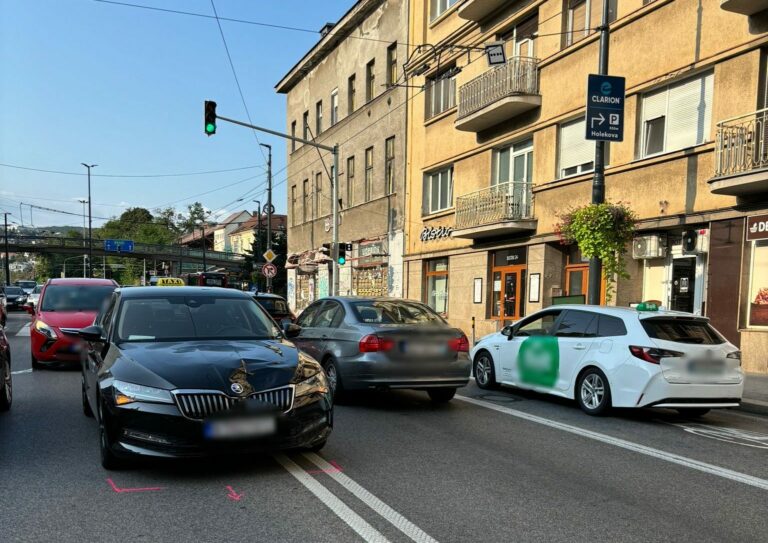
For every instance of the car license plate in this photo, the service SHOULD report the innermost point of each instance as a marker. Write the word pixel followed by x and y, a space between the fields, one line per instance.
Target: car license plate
pixel 706 367
pixel 423 349
pixel 239 428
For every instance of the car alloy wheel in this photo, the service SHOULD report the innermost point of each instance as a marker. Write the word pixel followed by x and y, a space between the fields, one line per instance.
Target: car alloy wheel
pixel 593 392
pixel 485 376
pixel 332 375
pixel 109 460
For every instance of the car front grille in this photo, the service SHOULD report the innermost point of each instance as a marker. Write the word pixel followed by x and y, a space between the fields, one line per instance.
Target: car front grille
pixel 199 404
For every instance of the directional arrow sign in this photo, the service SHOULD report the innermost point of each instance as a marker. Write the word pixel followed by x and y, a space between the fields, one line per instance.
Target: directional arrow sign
pixel 269 255
pixel 605 108
pixel 269 270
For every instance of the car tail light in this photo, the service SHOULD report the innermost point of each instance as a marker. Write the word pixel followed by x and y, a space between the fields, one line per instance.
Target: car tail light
pixel 375 344
pixel 652 355
pixel 459 344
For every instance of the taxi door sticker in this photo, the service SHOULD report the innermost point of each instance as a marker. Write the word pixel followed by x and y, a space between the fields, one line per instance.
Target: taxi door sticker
pixel 538 361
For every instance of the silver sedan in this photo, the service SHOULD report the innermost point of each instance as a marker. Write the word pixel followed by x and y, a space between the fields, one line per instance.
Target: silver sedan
pixel 384 343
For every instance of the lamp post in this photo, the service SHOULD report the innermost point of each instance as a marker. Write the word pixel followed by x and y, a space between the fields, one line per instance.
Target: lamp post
pixel 269 206
pixel 90 221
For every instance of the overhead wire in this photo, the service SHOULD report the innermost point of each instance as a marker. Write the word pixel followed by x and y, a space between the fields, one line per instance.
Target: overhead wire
pixel 125 176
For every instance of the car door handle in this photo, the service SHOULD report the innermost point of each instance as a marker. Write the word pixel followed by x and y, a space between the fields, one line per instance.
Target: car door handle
pixel 579 346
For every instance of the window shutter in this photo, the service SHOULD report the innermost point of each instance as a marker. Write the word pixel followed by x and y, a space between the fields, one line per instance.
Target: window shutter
pixel 526 29
pixel 654 105
pixel 575 149
pixel 689 113
pixel 425 196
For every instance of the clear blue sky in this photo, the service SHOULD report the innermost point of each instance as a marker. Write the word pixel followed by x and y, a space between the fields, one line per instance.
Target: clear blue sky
pixel 83 81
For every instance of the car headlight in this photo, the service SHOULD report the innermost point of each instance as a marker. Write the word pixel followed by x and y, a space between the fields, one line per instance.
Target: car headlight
pixel 46 330
pixel 126 393
pixel 309 378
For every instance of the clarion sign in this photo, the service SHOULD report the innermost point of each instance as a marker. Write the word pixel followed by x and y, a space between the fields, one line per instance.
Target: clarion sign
pixel 757 227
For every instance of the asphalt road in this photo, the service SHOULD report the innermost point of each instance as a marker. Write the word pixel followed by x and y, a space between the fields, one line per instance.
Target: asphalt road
pixel 499 466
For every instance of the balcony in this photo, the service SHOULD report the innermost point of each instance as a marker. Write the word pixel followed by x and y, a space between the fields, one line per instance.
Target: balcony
pixel 499 94
pixel 506 208
pixel 477 10
pixel 741 155
pixel 745 7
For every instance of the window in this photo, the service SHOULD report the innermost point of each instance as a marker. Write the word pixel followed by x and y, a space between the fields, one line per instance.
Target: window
pixel 438 7
pixel 330 316
pixel 538 326
pixel 438 191
pixel 513 164
pixel 334 107
pixel 318 193
pixel 584 16
pixel 437 285
pixel 611 326
pixel 293 205
pixel 577 324
pixel 440 95
pixel 307 316
pixel 392 64
pixel 305 197
pixel 351 90
pixel 577 154
pixel 677 116
pixel 395 312
pixel 319 118
pixel 680 330
pixel 370 81
pixel 305 125
pixel 758 280
pixel 368 174
pixel 389 165
pixel 350 182
pixel 522 39
pixel 293 134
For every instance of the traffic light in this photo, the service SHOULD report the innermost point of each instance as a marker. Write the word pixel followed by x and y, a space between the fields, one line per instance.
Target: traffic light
pixel 343 248
pixel 210 117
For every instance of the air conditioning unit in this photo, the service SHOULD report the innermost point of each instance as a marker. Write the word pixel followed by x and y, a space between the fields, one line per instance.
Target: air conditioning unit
pixel 649 246
pixel 696 241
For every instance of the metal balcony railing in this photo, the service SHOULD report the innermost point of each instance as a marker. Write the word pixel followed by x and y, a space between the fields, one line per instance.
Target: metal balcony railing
pixel 519 76
pixel 504 202
pixel 742 144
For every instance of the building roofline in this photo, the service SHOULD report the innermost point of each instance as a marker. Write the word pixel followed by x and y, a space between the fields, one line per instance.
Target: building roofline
pixel 341 30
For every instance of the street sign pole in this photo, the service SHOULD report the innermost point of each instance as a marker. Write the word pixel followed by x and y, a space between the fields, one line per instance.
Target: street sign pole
pixel 598 182
pixel 269 208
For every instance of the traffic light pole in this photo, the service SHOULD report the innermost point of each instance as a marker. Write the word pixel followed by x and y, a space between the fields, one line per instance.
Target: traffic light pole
pixel 334 188
pixel 598 182
pixel 269 207
pixel 7 261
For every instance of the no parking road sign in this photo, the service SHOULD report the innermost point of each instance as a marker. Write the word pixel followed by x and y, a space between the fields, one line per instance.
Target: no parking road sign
pixel 269 270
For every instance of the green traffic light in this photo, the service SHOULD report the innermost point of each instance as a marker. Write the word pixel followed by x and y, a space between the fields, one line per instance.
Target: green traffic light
pixel 342 261
pixel 210 128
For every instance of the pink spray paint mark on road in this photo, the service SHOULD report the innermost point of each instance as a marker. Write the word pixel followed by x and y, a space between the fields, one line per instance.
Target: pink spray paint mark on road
pixel 336 469
pixel 234 496
pixel 119 490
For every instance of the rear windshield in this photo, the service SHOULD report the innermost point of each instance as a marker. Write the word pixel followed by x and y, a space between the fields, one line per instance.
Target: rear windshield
pixel 13 291
pixel 395 312
pixel 75 297
pixel 682 331
pixel 273 305
pixel 26 284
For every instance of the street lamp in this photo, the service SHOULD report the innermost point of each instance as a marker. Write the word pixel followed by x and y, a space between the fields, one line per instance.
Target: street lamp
pixel 90 221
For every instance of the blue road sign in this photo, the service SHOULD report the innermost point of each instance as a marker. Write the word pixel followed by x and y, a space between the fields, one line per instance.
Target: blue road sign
pixel 605 108
pixel 118 245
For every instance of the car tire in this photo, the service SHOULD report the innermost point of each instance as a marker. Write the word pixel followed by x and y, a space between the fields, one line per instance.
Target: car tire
pixel 109 460
pixel 87 411
pixel 483 371
pixel 6 387
pixel 334 378
pixel 442 394
pixel 693 412
pixel 593 393
pixel 35 364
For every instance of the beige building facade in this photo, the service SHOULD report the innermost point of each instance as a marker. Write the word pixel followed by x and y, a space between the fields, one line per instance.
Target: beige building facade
pixel 346 91
pixel 495 154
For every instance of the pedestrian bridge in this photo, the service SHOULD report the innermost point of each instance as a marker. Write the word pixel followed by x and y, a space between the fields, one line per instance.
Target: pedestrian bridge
pixel 177 254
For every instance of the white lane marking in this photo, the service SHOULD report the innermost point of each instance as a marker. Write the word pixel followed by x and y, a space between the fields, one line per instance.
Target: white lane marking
pixel 24 330
pixel 21 371
pixel 629 445
pixel 394 518
pixel 342 510
pixel 736 436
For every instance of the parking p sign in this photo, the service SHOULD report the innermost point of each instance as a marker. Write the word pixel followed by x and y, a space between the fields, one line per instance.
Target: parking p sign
pixel 605 108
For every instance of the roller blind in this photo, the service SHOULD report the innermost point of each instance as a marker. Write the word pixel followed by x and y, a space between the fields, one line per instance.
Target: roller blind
pixel 689 113
pixel 654 105
pixel 575 149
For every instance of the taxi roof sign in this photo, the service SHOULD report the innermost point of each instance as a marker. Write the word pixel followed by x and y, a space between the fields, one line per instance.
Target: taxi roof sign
pixel 647 306
pixel 170 282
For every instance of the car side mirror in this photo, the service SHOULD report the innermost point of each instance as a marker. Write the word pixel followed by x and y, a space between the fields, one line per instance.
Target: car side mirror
pixel 508 331
pixel 94 334
pixel 291 330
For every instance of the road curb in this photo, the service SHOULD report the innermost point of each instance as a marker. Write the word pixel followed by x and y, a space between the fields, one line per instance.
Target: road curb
pixel 756 407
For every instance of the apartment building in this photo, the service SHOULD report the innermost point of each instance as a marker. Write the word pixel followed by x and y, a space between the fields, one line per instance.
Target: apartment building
pixel 346 90
pixel 495 153
pixel 225 228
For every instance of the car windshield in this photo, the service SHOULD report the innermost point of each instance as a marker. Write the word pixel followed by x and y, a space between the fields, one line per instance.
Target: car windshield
pixel 13 291
pixel 75 297
pixel 682 331
pixel 395 312
pixel 178 318
pixel 38 289
pixel 26 284
pixel 273 305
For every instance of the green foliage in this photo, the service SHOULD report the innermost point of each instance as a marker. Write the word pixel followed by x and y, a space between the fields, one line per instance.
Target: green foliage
pixel 602 231
pixel 254 256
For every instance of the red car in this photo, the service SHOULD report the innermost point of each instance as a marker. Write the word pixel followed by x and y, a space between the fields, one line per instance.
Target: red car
pixel 65 303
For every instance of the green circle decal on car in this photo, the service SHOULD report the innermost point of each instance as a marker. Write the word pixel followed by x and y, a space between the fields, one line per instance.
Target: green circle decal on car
pixel 538 361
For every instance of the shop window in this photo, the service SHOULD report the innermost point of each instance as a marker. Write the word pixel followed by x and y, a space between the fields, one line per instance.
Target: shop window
pixel 437 285
pixel 758 290
pixel 437 191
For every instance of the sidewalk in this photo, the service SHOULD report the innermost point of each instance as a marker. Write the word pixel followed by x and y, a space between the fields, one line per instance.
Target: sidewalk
pixel 755 393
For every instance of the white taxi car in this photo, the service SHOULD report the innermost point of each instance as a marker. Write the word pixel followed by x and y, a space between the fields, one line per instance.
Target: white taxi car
pixel 607 357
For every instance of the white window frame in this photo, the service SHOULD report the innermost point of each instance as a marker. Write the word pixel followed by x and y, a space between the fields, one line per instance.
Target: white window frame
pixel 444 178
pixel 438 7
pixel 445 88
pixel 334 106
pixel 319 118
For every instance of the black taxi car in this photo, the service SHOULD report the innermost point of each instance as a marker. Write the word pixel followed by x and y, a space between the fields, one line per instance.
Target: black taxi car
pixel 192 371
